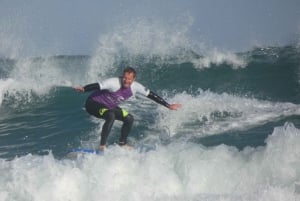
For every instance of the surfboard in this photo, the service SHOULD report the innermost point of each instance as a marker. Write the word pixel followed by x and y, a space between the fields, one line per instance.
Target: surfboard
pixel 87 151
pixel 80 151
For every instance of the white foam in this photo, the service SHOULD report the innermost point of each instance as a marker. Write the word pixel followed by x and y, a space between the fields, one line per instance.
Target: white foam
pixel 209 113
pixel 155 41
pixel 152 39
pixel 140 37
pixel 178 171
pixel 34 76
pixel 218 57
pixel 4 85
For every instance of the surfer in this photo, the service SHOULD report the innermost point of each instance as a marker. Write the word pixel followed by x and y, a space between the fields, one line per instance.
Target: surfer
pixel 106 97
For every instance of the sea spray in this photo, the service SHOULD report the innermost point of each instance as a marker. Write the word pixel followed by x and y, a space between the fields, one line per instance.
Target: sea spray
pixel 178 171
pixel 208 113
pixel 143 38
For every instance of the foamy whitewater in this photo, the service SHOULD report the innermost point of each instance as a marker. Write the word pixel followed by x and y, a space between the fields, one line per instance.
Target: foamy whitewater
pixel 236 136
pixel 173 172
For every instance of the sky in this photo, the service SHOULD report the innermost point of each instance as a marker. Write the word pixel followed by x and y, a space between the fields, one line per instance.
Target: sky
pixel 33 27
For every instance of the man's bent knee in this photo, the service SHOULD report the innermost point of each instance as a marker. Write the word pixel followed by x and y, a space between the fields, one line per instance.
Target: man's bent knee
pixel 129 119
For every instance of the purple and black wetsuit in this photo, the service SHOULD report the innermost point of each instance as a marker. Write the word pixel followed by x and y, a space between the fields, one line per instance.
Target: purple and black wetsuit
pixel 105 100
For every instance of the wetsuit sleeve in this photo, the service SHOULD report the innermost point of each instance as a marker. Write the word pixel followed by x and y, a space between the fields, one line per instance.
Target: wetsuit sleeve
pixel 111 84
pixel 92 87
pixel 158 99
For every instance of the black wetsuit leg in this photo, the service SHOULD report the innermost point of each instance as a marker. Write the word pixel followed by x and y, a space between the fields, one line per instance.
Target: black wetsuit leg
pixel 110 116
pixel 126 128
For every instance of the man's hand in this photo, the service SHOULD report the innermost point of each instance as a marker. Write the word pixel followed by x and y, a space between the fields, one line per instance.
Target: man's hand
pixel 79 89
pixel 174 106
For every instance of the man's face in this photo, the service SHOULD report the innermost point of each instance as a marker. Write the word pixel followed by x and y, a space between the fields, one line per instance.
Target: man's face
pixel 128 78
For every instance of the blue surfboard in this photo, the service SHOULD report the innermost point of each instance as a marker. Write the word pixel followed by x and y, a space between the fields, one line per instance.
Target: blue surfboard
pixel 80 151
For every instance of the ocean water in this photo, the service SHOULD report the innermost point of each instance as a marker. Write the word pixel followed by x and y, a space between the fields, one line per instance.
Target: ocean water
pixel 236 136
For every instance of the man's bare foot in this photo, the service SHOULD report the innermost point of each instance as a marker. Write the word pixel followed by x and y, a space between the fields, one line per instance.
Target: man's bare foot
pixel 102 147
pixel 126 146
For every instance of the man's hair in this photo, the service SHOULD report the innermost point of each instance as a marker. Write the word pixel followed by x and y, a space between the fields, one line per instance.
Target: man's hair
pixel 129 69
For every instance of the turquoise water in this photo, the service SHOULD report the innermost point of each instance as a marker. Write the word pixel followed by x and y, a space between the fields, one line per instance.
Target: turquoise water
pixel 235 138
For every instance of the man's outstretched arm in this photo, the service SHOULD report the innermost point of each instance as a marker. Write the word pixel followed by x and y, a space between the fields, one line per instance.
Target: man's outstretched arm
pixel 89 87
pixel 161 101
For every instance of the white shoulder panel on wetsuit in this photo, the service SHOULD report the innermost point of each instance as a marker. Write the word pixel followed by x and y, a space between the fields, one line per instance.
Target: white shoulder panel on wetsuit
pixel 139 88
pixel 113 84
